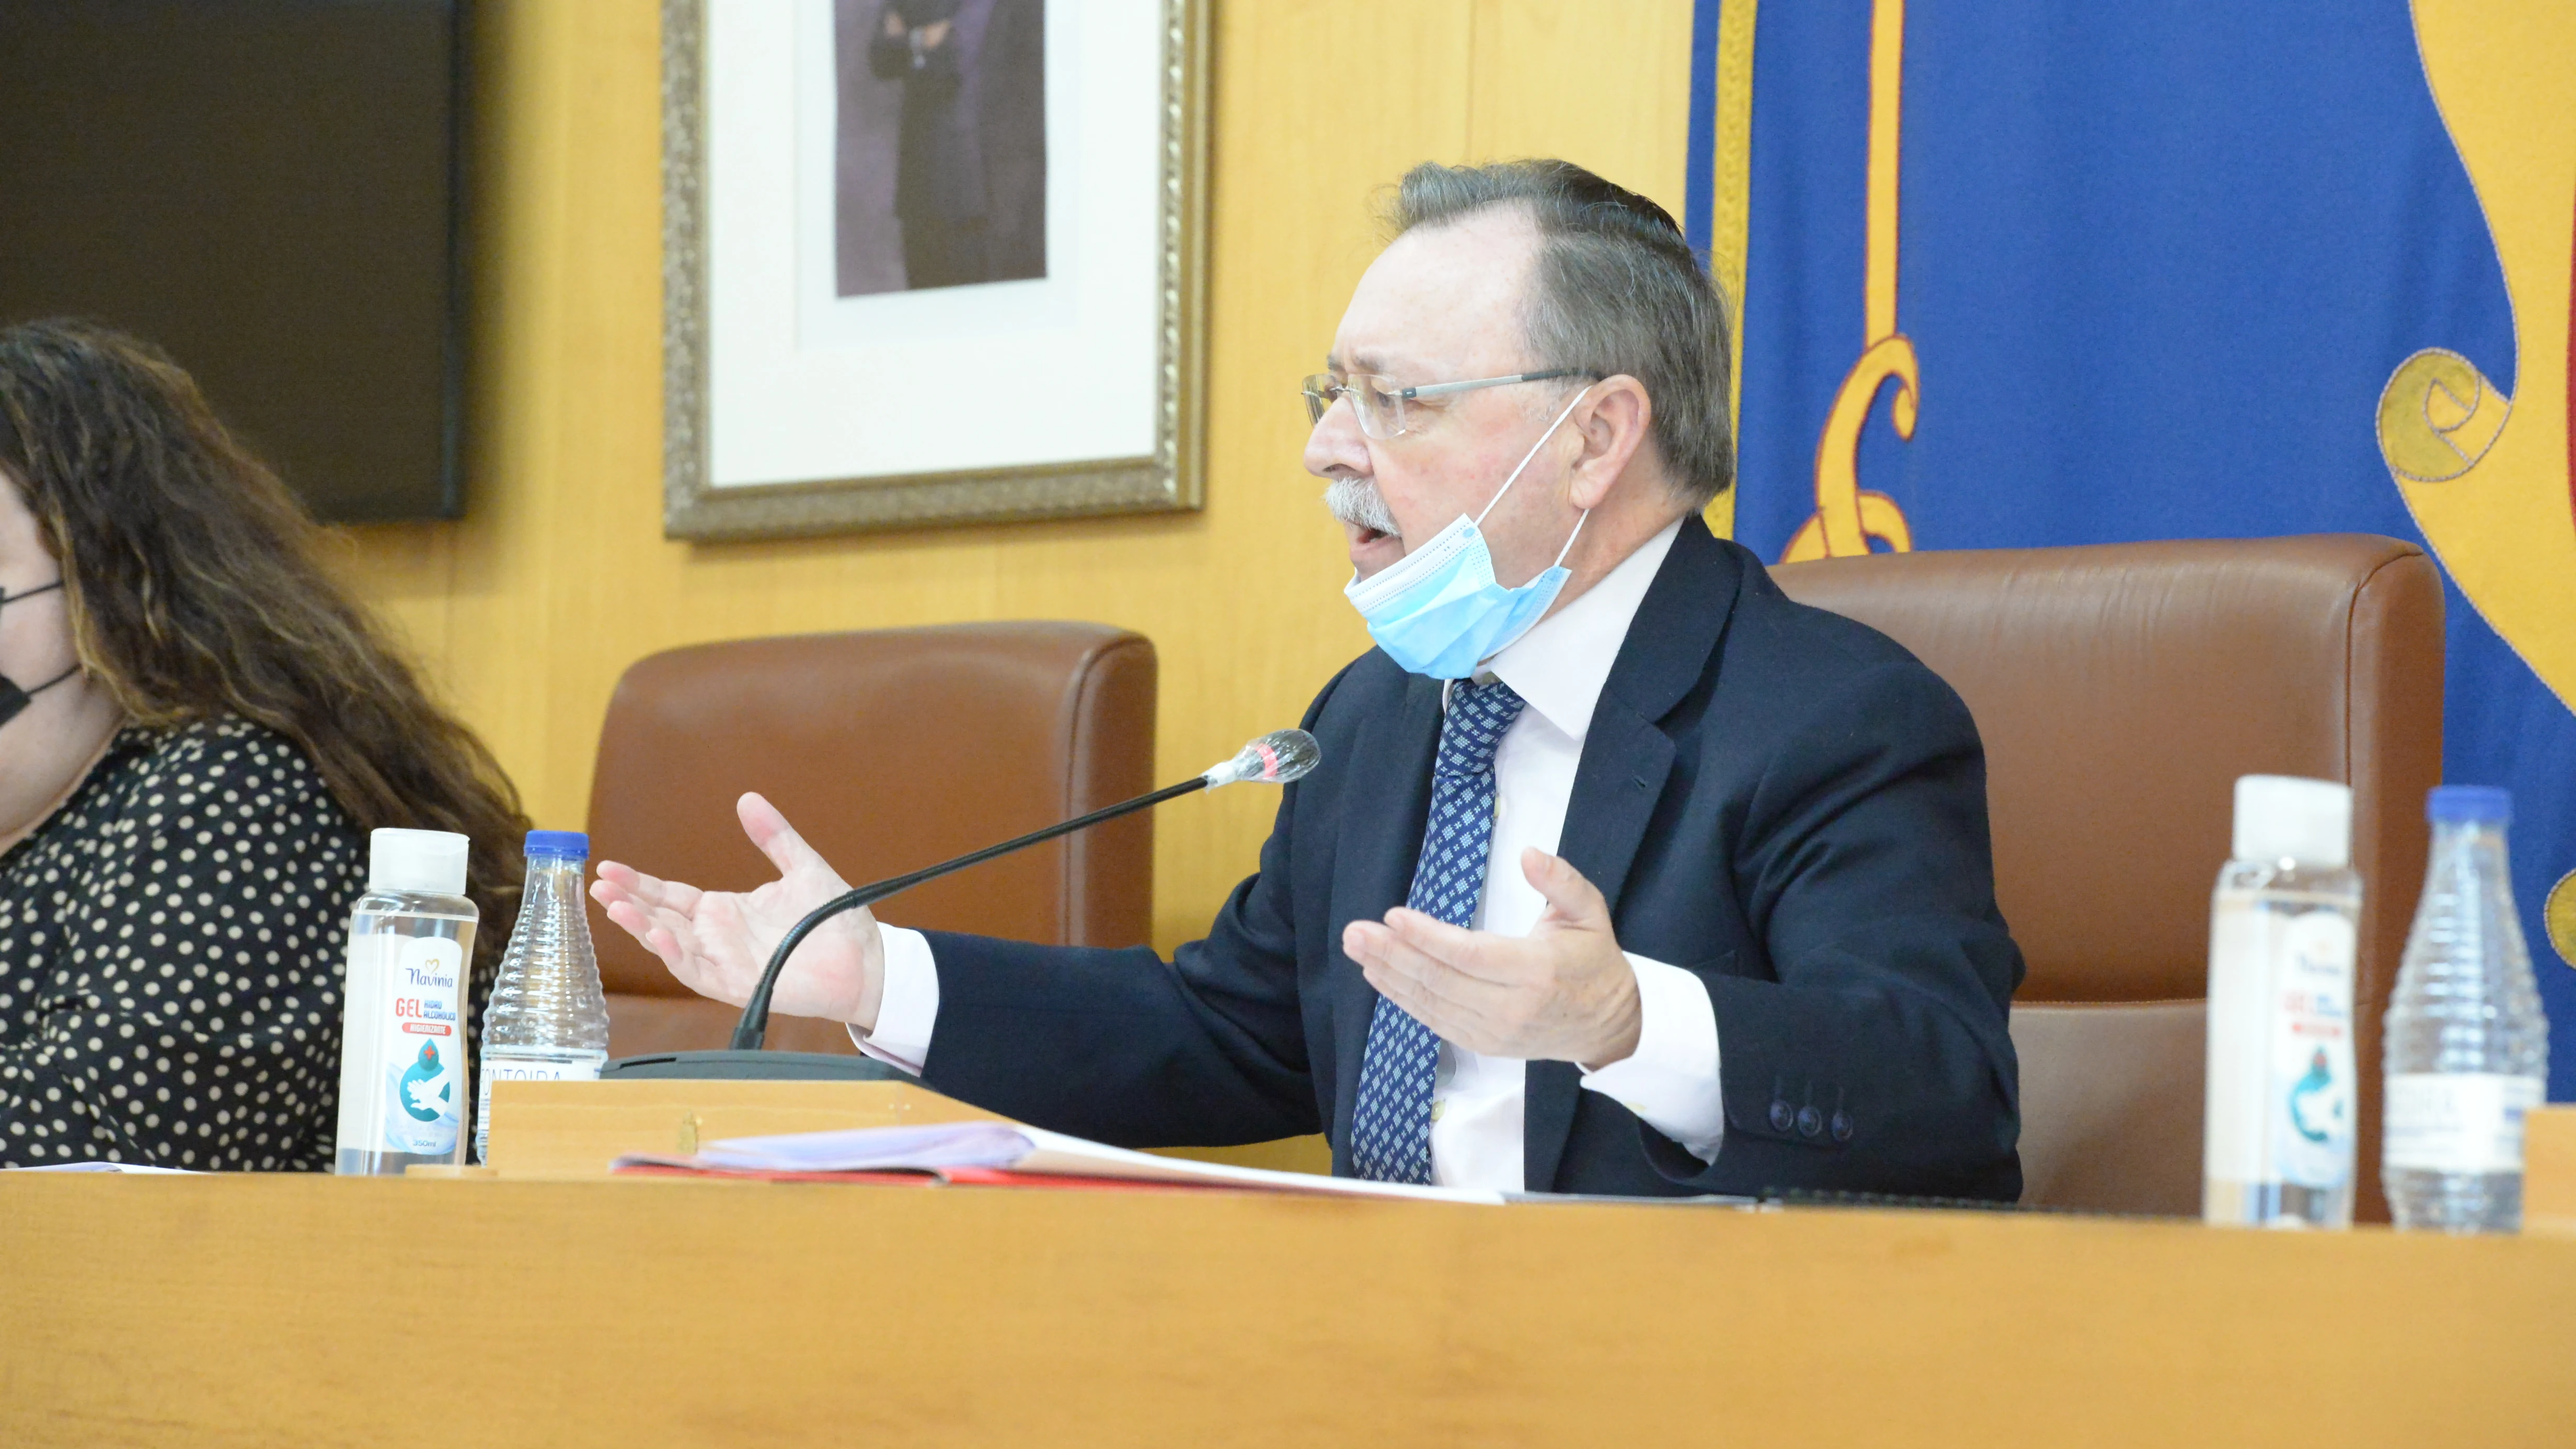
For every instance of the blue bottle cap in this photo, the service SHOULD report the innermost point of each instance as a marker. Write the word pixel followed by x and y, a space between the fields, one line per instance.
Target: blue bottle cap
pixel 2462 804
pixel 568 843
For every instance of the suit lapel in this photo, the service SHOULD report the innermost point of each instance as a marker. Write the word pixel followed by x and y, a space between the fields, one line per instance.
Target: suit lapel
pixel 1383 814
pixel 1627 761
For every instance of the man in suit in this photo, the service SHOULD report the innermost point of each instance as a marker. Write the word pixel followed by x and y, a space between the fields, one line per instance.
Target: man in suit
pixel 1621 872
pixel 970 168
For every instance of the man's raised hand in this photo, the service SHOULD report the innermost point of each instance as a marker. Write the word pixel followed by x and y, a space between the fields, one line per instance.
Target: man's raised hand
pixel 718 942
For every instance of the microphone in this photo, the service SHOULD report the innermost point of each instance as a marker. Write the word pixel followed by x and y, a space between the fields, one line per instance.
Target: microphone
pixel 1274 759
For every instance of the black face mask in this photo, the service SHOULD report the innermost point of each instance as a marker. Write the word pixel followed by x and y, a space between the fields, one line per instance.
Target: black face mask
pixel 14 697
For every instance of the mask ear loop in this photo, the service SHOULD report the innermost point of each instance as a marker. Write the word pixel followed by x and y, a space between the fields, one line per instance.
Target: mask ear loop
pixel 1580 519
pixel 26 694
pixel 50 683
pixel 1532 453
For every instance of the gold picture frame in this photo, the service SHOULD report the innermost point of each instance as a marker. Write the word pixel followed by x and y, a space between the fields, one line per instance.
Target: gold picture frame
pixel 698 506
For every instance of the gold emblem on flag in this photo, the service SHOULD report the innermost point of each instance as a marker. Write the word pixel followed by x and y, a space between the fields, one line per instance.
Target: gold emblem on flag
pixel 1847 515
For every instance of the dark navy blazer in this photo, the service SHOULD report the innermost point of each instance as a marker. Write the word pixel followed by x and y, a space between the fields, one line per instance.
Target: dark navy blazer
pixel 1777 799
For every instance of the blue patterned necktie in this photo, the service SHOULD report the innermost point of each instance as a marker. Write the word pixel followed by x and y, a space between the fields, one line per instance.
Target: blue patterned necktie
pixel 1391 1120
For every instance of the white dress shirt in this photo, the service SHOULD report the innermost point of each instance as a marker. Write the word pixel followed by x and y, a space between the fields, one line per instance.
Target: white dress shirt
pixel 1671 1080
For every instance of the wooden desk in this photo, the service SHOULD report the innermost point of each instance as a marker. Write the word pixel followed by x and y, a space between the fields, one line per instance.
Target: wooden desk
pixel 295 1310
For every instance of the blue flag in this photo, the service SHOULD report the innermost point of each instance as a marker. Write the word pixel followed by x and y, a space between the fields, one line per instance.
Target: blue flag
pixel 2158 265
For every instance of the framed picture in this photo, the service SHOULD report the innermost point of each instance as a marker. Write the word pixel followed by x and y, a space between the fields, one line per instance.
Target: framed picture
pixel 930 261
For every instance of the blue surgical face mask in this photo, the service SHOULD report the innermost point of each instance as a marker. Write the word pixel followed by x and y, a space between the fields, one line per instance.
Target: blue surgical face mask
pixel 1437 611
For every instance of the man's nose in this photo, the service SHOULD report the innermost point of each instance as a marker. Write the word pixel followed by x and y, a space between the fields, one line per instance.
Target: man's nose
pixel 1337 445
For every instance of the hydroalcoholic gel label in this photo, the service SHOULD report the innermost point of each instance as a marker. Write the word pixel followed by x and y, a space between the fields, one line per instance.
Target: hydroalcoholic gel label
pixel 424 1047
pixel 2280 1105
pixel 2464 1122
pixel 2312 1066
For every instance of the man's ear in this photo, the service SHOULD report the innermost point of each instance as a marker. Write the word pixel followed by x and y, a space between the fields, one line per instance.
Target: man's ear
pixel 1613 424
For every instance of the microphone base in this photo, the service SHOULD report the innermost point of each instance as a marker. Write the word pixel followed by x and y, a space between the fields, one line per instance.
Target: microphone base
pixel 760 1066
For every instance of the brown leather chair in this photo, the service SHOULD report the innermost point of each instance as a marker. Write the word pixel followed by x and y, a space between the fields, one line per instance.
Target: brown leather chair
pixel 889 750
pixel 2120 690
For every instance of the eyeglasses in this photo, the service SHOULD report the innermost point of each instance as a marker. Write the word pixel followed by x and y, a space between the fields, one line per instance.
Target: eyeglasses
pixel 1380 403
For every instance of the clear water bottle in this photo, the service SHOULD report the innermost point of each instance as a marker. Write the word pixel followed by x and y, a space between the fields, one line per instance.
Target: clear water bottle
pixel 548 1019
pixel 2278 1147
pixel 2468 1050
pixel 403 1007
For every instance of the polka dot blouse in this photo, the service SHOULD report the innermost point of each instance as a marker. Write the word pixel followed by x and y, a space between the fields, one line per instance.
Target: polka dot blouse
pixel 170 954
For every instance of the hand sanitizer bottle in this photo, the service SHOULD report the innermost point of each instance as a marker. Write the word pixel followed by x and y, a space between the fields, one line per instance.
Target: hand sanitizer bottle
pixel 2277 1147
pixel 403 1007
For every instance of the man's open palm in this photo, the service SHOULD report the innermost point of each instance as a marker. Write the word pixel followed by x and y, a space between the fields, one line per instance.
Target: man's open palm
pixel 718 942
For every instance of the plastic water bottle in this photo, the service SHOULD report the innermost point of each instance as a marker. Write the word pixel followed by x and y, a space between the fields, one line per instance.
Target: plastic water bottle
pixel 2283 924
pixel 548 1019
pixel 2468 1049
pixel 402 1007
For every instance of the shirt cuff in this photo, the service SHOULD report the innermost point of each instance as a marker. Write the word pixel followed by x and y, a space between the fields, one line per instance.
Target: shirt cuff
pixel 1671 1080
pixel 908 1009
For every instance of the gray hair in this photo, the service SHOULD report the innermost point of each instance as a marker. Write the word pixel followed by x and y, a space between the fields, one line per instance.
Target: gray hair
pixel 1617 290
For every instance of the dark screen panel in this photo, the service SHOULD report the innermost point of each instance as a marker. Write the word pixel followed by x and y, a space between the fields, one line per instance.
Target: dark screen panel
pixel 267 189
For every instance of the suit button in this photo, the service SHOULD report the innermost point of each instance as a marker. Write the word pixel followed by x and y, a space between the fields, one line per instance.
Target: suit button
pixel 1811 1123
pixel 1842 1126
pixel 1779 1115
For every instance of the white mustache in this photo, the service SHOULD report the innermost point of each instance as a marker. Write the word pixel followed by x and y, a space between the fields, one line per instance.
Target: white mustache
pixel 1356 501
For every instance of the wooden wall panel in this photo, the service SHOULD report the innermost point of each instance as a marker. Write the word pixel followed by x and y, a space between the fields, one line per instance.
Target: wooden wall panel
pixel 559 576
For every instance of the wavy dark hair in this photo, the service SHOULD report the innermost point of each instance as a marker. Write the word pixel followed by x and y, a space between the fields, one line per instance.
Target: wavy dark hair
pixel 196 590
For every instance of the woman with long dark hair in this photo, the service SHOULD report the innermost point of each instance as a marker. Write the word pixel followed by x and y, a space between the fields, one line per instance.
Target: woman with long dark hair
pixel 198 728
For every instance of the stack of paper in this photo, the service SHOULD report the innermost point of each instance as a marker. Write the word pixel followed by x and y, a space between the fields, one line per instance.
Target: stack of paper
pixel 133 1167
pixel 1004 1153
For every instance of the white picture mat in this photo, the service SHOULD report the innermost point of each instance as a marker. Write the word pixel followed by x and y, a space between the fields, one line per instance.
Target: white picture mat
pixel 805 386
